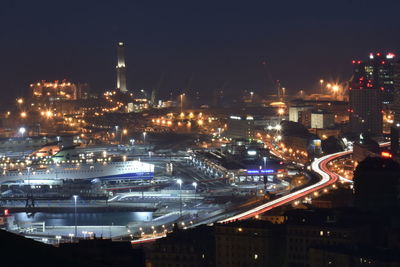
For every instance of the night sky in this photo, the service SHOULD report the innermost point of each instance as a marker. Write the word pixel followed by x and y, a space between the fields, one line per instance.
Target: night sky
pixel 200 45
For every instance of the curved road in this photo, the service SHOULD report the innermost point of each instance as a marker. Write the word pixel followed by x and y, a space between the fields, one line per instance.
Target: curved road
pixel 319 166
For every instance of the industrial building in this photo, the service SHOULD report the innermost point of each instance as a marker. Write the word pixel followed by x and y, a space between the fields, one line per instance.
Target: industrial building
pixel 240 162
pixel 58 90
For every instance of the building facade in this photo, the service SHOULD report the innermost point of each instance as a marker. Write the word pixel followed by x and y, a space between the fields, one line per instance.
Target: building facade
pixel 322 119
pixel 372 86
pixel 396 95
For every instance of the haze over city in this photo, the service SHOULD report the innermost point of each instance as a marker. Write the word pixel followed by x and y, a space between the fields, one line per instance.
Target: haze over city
pixel 200 46
pixel 163 134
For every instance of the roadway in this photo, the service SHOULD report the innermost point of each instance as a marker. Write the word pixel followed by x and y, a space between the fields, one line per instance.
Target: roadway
pixel 318 166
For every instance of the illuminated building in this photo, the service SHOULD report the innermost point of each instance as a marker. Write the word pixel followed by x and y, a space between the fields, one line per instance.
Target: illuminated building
pixel 321 119
pixel 58 90
pixel 245 126
pixel 396 97
pixel 250 243
pixel 379 72
pixel 296 112
pixel 371 85
pixel 241 162
pixel 121 69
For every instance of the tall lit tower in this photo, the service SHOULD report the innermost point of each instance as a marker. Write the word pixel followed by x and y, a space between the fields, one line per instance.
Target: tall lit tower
pixel 121 69
pixel 366 91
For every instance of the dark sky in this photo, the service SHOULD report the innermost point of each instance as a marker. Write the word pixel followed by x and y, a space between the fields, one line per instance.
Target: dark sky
pixel 203 45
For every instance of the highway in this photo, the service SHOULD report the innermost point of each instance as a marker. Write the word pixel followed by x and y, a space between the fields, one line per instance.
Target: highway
pixel 318 166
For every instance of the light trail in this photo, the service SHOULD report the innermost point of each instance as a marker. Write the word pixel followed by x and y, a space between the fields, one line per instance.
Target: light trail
pixel 147 239
pixel 319 166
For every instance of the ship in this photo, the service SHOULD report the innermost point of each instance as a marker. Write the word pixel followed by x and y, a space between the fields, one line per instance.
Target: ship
pixel 66 165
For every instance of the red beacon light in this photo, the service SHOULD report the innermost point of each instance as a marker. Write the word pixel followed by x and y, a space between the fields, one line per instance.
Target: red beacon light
pixel 6 212
pixel 390 55
pixel 386 154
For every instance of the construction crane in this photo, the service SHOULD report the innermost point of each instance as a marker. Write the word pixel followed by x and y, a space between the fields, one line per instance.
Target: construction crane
pixel 275 83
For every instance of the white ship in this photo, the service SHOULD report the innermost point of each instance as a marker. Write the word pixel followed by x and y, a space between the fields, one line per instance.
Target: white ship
pixel 59 168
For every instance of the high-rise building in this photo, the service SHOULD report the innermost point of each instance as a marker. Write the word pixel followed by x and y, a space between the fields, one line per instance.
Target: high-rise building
pixel 379 69
pixel 396 94
pixel 121 69
pixel 371 86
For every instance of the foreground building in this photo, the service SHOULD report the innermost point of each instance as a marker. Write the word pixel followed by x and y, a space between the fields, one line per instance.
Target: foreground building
pixel 244 243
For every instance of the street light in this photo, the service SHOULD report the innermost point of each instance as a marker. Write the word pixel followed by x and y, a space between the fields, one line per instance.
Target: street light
pixel 195 189
pixel 182 95
pixel 144 138
pixel 321 82
pixel 71 236
pixel 116 132
pixel 29 184
pixel 22 131
pixel 179 181
pixel 58 237
pixel 124 132
pixel 76 227
pixel 265 168
pixel 132 141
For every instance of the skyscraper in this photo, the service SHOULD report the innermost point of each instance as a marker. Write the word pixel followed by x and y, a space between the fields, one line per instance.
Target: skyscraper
pixel 396 95
pixel 121 69
pixel 380 70
pixel 371 86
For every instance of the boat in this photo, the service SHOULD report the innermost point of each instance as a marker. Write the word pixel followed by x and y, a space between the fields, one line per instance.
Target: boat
pixel 65 165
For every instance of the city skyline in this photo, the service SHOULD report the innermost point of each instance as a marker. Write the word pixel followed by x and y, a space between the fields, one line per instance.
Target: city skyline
pixel 198 47
pixel 200 134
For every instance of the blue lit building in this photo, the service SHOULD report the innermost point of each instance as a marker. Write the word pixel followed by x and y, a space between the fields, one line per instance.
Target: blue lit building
pixel 252 164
